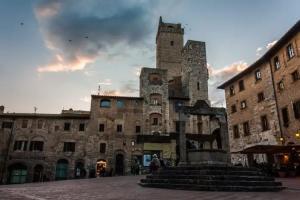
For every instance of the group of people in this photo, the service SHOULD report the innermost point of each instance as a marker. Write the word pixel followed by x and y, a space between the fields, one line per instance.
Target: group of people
pixel 156 164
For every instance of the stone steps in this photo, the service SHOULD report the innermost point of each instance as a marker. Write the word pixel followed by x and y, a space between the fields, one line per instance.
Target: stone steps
pixel 213 177
pixel 215 188
pixel 212 182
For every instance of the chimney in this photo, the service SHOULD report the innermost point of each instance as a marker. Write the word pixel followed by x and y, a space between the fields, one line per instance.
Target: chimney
pixel 1 109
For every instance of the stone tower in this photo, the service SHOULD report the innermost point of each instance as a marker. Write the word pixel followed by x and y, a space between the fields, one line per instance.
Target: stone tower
pixel 169 43
pixel 194 71
pixel 154 90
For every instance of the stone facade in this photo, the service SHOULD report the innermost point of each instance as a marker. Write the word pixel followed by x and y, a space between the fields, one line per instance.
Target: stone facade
pixel 118 133
pixel 262 99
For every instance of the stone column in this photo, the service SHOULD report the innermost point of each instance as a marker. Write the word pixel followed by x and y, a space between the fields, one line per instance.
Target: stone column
pixel 224 136
pixel 182 139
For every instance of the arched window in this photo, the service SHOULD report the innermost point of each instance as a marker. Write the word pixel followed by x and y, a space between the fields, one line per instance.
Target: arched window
pixel 155 99
pixel 105 103
pixel 155 79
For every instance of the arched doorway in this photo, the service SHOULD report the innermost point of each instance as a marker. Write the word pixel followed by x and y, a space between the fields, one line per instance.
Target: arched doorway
pixel 38 173
pixel 17 173
pixel 217 134
pixel 101 167
pixel 119 164
pixel 79 170
pixel 62 169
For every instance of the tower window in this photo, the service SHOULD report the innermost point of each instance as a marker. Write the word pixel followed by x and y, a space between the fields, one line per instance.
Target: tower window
pixel 257 75
pixel 105 103
pixel 198 86
pixel 260 97
pixel 243 104
pixel 264 123
pixel 285 116
pixel 231 89
pixel 295 76
pixel 290 51
pixel 241 85
pixel 119 128
pixel 276 63
pixel 172 43
pixel 236 133
pixel 101 127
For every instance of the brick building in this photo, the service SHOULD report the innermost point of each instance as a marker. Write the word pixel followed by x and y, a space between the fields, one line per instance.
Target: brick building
pixel 118 132
pixel 263 101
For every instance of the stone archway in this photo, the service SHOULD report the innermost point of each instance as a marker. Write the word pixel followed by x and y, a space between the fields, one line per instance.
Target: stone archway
pixel 79 171
pixel 119 164
pixel 38 171
pixel 17 173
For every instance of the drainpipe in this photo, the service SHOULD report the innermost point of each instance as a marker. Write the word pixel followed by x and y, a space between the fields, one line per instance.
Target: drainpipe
pixel 276 103
pixel 10 139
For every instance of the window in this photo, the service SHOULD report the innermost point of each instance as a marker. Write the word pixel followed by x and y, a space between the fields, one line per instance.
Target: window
pixel 119 128
pixel 264 123
pixel 236 133
pixel 101 127
pixel 105 103
pixel 280 85
pixel 36 146
pixel 155 79
pixel 295 76
pixel 199 126
pixel 102 147
pixel 69 146
pixel 246 128
pixel 231 90
pixel 276 63
pixel 67 126
pixel 56 128
pixel 233 109
pixel 243 104
pixel 120 104
pixel 81 126
pixel 177 126
pixel 7 125
pixel 25 123
pixel 257 75
pixel 40 124
pixel 20 145
pixel 241 85
pixel 296 107
pixel 260 97
pixel 137 129
pixel 172 43
pixel 285 116
pixel 198 86
pixel 155 121
pixel 290 51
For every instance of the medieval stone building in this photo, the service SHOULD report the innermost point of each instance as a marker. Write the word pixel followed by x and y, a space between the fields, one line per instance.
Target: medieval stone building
pixel 118 133
pixel 263 102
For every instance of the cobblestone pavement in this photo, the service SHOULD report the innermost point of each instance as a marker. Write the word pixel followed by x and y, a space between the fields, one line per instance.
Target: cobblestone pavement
pixel 126 187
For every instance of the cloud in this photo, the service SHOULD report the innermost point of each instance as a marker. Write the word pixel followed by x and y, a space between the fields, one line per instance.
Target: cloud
pixel 130 88
pixel 110 93
pixel 218 76
pixel 86 99
pixel 105 82
pixel 271 44
pixel 79 32
pixel 258 51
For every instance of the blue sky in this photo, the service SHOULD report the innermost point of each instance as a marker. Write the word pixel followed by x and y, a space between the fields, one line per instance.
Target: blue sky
pixel 53 54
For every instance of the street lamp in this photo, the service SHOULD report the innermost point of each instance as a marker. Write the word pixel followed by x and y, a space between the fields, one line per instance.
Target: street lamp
pixel 297 134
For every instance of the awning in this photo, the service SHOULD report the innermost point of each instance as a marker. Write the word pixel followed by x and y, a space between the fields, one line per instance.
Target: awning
pixel 268 149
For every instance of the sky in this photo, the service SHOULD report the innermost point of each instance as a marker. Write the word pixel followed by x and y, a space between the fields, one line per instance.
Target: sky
pixel 54 54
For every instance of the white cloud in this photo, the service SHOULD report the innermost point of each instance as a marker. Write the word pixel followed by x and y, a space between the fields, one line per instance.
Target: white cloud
pixel 271 44
pixel 218 76
pixel 86 99
pixel 105 82
pixel 258 51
